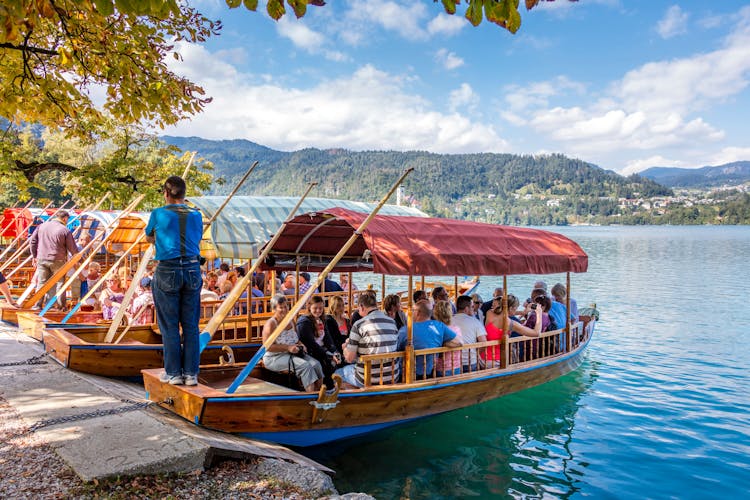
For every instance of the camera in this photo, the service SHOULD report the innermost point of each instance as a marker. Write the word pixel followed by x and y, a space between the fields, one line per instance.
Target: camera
pixel 300 351
pixel 533 307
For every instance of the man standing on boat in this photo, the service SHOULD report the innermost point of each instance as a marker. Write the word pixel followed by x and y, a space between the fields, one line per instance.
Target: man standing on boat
pixel 176 231
pixel 50 245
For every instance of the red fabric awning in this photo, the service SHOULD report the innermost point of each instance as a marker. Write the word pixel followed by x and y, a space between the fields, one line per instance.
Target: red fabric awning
pixel 398 245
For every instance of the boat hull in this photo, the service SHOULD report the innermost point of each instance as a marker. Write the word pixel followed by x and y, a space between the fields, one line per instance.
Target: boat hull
pixel 83 350
pixel 288 418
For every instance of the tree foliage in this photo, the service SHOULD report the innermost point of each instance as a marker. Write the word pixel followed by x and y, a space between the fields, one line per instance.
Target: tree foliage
pixel 59 52
pixel 121 160
pixel 504 13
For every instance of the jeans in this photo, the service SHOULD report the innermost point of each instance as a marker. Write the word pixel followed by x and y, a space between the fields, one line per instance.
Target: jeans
pixel 177 298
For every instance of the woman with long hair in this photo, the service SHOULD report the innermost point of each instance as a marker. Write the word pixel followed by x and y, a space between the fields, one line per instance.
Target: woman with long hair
pixel 494 327
pixel 287 353
pixel 318 343
pixel 337 322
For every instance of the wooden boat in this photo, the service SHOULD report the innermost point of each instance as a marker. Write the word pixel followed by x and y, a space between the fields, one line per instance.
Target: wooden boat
pixel 84 347
pixel 249 400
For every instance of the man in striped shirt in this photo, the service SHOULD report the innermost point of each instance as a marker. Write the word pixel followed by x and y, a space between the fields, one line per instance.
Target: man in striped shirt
pixel 375 333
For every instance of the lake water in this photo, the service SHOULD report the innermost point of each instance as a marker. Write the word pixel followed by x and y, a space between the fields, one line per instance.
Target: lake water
pixel 660 407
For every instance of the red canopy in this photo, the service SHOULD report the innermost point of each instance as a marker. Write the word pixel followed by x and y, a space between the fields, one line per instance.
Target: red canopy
pixel 398 245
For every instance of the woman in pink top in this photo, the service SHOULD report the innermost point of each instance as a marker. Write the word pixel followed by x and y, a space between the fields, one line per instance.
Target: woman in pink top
pixel 494 327
pixel 450 362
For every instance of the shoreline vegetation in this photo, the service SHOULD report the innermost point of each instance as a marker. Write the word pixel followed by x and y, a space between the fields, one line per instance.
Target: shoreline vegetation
pixel 536 190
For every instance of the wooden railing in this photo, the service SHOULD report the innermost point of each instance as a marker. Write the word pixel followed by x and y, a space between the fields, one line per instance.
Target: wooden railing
pixel 480 356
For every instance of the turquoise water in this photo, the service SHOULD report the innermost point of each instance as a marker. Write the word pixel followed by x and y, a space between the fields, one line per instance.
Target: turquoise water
pixel 660 407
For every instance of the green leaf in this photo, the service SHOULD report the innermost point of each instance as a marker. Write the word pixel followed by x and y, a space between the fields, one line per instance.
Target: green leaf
pixel 299 6
pixel 449 6
pixel 233 4
pixel 514 21
pixel 104 7
pixel 275 9
pixel 474 12
pixel 251 5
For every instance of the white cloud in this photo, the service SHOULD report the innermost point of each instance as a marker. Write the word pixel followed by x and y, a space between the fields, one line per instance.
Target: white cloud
pixel 305 38
pixel 369 109
pixel 655 107
pixel 402 18
pixel 728 155
pixel 448 60
pixel 463 97
pixel 673 23
pixel 444 24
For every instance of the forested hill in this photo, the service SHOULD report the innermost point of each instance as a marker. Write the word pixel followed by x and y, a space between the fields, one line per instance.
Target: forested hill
pixel 504 188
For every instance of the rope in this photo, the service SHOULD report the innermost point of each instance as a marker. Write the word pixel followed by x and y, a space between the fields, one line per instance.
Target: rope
pixel 35 360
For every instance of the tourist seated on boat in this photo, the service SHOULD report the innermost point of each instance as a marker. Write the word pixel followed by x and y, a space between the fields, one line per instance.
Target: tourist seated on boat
pixel 559 294
pixel 539 297
pixel 337 322
pixel 222 274
pixel 477 302
pixel 426 334
pixel 392 307
pixel 420 296
pixel 111 297
pixel 448 363
pixel 287 354
pixel 304 283
pixel 375 333
pixel 207 295
pixel 472 330
pixel 344 281
pixel 491 357
pixel 288 287
pixel 490 304
pixel 355 314
pixel 311 328
pixel 440 293
pixel 257 293
pixel 89 278
pixel 517 350
pixel 226 289
pixel 141 308
pixel 211 283
pixel 329 285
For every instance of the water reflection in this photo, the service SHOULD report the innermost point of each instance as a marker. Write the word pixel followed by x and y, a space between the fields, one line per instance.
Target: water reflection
pixel 518 445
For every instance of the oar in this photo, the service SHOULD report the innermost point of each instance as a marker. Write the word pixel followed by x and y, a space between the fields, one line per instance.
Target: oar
pixel 190 162
pixel 147 256
pixel 312 290
pixel 224 309
pixel 77 257
pixel 21 247
pixel 120 314
pixel 92 248
pixel 85 263
pixel 103 279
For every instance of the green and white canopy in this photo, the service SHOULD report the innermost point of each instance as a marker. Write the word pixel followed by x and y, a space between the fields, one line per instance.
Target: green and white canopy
pixel 248 222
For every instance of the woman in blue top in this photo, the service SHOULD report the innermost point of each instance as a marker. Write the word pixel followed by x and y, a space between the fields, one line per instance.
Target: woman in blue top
pixel 176 231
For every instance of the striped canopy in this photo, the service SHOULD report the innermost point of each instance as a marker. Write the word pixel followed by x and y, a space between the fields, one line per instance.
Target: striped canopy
pixel 248 222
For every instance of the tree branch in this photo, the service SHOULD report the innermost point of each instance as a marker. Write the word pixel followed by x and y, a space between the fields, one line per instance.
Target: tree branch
pixel 26 48
pixel 32 169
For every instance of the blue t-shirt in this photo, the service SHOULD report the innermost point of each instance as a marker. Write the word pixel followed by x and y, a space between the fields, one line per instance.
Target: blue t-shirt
pixel 426 335
pixel 558 313
pixel 178 230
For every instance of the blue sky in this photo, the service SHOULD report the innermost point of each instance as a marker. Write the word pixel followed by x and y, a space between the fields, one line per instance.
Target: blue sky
pixel 624 84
